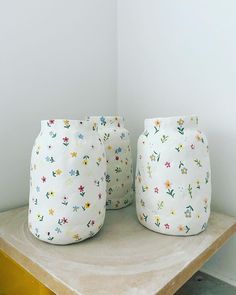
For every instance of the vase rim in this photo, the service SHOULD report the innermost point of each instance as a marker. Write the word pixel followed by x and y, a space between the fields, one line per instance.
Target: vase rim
pixel 107 117
pixel 66 122
pixel 107 121
pixel 188 121
pixel 172 118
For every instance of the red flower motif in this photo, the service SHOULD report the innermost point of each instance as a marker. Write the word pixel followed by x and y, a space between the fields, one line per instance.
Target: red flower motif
pixel 99 195
pixel 51 121
pixel 92 222
pixel 64 220
pixel 43 179
pixel 167 164
pixel 65 139
pixel 192 146
pixel 81 188
pixel 167 226
pixel 156 190
pixel 117 158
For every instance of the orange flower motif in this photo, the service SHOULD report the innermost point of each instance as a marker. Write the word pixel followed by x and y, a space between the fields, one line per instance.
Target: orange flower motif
pixel 157 122
pixel 180 228
pixel 205 200
pixel 167 184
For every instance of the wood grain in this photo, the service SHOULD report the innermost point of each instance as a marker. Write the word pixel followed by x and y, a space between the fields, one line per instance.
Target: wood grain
pixel 124 258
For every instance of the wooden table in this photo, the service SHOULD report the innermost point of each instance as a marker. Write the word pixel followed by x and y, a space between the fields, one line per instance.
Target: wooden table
pixel 124 258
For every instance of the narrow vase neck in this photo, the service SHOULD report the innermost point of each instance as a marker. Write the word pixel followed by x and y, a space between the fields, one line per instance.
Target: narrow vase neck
pixel 107 121
pixel 187 122
pixel 54 124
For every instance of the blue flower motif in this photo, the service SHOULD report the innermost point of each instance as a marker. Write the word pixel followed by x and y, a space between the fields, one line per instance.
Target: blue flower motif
pixel 75 208
pixel 103 121
pixel 47 159
pixel 118 150
pixel 122 135
pixel 72 172
pixel 58 230
pixel 81 136
pixel 37 189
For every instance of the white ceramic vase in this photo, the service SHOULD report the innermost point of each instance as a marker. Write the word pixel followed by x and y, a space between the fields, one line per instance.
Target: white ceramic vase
pixel 119 161
pixel 68 188
pixel 173 184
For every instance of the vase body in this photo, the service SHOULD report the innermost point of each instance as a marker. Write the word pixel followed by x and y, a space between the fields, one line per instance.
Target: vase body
pixel 67 187
pixel 119 161
pixel 173 177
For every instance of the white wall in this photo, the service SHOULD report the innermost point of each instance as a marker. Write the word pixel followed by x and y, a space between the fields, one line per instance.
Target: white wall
pixel 57 60
pixel 179 57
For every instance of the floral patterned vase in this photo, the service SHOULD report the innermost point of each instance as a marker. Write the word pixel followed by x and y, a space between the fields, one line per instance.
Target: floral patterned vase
pixel 173 185
pixel 67 200
pixel 119 161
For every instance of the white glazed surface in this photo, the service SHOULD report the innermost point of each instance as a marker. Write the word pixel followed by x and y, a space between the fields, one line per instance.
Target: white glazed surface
pixel 67 187
pixel 173 179
pixel 119 161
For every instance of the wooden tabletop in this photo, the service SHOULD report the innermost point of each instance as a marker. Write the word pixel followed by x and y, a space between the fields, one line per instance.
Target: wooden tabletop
pixel 124 258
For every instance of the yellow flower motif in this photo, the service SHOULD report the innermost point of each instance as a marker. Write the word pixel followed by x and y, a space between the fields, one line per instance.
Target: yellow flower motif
pixel 94 126
pixel 158 219
pixel 76 237
pixel 172 212
pixel 167 184
pixel 73 154
pixel 145 187
pixel 58 172
pixel 85 162
pixel 99 159
pixel 198 137
pixel 50 194
pixel 87 205
pixel 51 211
pixel 66 122
pixel 180 121
pixel 181 146
pixel 109 147
pixel 198 215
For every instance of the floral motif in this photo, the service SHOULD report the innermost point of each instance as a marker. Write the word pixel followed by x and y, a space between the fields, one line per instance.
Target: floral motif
pixel 65 141
pixel 170 191
pixel 50 194
pixel 81 190
pixel 179 148
pixel 66 124
pixel 180 127
pixel 50 123
pixel 182 173
pixel 60 209
pixel 156 190
pixel 73 154
pixel 57 172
